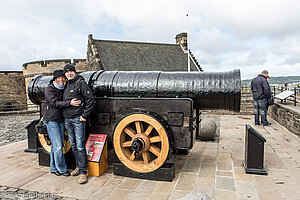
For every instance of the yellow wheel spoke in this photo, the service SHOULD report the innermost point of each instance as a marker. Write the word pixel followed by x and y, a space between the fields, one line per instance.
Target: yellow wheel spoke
pixel 139 127
pixel 149 130
pixel 155 139
pixel 126 144
pixel 129 131
pixel 132 157
pixel 146 157
pixel 154 149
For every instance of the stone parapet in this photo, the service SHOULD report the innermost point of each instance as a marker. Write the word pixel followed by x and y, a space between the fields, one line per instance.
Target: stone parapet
pixel 12 91
pixel 286 117
pixel 47 67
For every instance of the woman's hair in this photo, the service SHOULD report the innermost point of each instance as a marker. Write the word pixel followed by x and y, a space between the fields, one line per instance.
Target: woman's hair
pixel 55 80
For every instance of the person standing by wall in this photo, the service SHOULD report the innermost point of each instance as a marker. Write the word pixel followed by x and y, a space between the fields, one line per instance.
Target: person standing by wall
pixel 75 118
pixel 54 121
pixel 261 92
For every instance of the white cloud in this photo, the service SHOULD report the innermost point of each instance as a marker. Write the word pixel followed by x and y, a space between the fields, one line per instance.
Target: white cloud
pixel 250 35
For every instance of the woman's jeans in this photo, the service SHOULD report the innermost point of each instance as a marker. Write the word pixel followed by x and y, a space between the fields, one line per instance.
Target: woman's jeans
pixel 263 106
pixel 76 133
pixel 56 132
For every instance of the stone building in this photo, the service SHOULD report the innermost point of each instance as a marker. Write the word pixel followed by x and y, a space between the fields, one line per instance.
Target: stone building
pixel 123 56
pixel 139 56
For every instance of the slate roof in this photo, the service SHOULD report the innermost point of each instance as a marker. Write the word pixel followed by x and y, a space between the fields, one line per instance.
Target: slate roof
pixel 140 56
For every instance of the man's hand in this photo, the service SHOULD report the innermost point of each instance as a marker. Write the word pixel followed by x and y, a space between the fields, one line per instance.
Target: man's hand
pixel 82 119
pixel 75 102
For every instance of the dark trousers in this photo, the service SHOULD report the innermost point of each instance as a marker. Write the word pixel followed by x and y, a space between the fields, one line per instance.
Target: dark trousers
pixel 76 133
pixel 261 104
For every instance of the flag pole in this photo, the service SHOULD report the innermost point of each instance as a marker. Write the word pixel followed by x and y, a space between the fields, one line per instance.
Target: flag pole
pixel 188 45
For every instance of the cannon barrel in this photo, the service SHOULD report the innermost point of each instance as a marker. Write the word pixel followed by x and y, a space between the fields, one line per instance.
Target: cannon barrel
pixel 209 90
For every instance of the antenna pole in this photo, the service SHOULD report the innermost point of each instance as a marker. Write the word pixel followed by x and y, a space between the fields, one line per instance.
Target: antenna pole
pixel 188 45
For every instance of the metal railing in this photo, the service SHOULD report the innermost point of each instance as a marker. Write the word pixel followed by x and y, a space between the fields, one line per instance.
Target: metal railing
pixel 293 98
pixel 10 104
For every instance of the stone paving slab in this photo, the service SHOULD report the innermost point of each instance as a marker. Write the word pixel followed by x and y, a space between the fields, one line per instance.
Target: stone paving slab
pixel 213 168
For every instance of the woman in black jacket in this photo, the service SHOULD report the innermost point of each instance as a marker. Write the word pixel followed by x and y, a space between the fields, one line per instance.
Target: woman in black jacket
pixel 54 120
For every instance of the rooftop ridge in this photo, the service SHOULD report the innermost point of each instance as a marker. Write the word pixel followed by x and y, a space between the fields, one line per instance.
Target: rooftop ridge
pixel 134 42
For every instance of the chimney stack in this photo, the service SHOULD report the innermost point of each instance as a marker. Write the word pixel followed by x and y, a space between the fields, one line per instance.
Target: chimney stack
pixel 181 39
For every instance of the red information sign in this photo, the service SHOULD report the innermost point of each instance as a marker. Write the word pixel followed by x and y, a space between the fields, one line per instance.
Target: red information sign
pixel 94 146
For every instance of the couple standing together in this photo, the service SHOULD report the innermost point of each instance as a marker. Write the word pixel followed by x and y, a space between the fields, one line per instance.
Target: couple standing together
pixel 68 103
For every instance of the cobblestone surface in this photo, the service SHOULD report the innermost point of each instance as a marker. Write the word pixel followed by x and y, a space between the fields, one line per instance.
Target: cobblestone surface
pixel 12 127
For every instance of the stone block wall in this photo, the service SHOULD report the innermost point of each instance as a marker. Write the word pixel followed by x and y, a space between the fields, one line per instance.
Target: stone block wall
pixel 12 90
pixel 93 62
pixel 247 106
pixel 287 117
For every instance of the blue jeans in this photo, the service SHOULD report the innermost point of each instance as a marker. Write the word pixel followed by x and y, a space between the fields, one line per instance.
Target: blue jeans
pixel 263 106
pixel 76 133
pixel 56 132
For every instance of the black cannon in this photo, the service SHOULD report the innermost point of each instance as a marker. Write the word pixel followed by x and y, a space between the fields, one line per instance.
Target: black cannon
pixel 148 114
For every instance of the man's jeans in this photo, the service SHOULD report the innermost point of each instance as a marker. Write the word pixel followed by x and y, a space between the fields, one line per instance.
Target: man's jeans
pixel 76 133
pixel 263 106
pixel 56 132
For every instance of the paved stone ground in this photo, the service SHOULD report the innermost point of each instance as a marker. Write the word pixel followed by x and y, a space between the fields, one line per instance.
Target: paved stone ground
pixel 214 168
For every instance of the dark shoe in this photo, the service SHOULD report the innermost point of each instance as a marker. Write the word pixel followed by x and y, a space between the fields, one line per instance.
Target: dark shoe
pixel 66 173
pixel 267 125
pixel 56 173
pixel 258 124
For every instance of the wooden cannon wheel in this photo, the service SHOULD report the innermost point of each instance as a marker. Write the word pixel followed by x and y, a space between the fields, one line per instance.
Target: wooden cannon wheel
pixel 151 134
pixel 44 141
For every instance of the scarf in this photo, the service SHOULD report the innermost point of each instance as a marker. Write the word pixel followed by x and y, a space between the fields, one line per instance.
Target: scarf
pixel 60 87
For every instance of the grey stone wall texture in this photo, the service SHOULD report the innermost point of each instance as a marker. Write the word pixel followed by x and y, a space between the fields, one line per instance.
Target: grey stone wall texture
pixel 12 87
pixel 288 118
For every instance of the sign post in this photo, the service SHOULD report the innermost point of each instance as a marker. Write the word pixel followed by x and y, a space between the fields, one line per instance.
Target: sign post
pixel 96 149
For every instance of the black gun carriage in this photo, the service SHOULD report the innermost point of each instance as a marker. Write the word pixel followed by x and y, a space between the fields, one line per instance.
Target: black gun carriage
pixel 148 114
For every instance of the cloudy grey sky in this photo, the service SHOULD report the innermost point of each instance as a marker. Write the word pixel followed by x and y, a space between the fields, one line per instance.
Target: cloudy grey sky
pixel 249 35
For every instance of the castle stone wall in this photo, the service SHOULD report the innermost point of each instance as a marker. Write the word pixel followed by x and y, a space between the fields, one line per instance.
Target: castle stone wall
pixel 286 117
pixel 12 90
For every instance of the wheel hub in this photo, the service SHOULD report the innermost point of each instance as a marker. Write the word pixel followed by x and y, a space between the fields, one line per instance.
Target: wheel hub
pixel 138 144
pixel 142 140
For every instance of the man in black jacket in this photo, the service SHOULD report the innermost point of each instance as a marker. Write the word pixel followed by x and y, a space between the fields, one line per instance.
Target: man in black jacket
pixel 261 92
pixel 75 118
